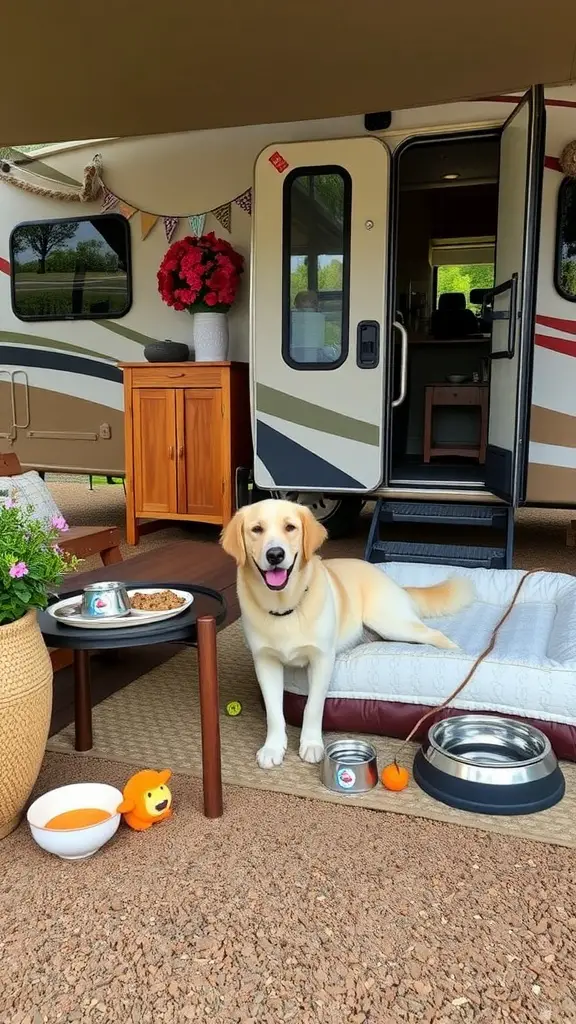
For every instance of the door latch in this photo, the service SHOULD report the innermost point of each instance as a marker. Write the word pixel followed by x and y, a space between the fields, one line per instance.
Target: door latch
pixel 368 344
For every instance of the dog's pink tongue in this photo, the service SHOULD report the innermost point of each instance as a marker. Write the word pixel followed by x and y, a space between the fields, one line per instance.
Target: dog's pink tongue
pixel 276 577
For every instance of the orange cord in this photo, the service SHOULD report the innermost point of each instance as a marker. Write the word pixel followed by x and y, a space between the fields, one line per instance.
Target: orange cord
pixel 479 660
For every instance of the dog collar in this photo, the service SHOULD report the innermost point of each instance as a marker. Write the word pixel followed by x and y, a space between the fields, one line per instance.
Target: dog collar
pixel 280 615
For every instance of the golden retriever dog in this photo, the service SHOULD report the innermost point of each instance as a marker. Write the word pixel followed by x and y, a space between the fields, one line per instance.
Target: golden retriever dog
pixel 299 610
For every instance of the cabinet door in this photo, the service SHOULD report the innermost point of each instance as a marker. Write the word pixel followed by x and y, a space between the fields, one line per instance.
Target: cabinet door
pixel 200 460
pixel 154 421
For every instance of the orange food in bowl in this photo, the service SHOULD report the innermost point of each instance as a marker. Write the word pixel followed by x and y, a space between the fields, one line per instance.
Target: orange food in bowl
pixel 80 817
pixel 394 777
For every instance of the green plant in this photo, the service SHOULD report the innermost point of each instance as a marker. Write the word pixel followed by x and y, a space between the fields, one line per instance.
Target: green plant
pixel 31 562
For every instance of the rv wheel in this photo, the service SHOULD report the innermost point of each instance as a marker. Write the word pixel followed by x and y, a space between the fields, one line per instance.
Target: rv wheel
pixel 338 514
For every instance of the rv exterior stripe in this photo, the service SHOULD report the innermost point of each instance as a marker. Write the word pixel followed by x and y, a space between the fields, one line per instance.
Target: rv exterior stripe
pixel 15 355
pixel 550 427
pixel 566 346
pixel 14 337
pixel 557 324
pixel 306 414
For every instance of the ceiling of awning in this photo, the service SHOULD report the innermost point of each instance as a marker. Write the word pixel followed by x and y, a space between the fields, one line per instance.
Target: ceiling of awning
pixel 73 70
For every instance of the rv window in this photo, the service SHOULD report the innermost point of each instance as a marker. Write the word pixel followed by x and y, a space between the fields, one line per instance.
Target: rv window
pixel 316 267
pixel 565 268
pixel 71 269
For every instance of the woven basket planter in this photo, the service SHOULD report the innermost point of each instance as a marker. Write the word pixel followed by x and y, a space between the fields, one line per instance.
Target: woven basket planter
pixel 25 709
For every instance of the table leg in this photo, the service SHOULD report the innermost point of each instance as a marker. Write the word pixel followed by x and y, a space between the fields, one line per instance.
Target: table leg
pixel 82 701
pixel 209 716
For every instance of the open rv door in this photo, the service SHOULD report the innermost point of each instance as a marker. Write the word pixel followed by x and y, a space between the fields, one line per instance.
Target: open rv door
pixel 514 296
pixel 318 345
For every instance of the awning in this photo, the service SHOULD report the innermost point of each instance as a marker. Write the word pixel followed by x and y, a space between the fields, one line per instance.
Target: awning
pixel 73 70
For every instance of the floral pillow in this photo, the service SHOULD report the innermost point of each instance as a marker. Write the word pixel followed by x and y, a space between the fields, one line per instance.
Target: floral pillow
pixel 29 491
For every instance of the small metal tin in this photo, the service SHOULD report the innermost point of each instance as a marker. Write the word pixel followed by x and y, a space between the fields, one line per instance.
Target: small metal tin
pixel 105 600
pixel 349 766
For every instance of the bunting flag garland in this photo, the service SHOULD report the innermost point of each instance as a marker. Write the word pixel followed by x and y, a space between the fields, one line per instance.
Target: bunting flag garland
pixel 170 225
pixel 109 200
pixel 147 222
pixel 197 222
pixel 126 210
pixel 223 215
pixel 244 201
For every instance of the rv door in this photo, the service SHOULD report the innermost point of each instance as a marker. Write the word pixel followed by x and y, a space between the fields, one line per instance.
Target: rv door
pixel 318 349
pixel 514 296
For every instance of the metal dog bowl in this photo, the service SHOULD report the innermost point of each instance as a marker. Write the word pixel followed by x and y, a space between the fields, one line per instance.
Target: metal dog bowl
pixel 349 766
pixel 490 765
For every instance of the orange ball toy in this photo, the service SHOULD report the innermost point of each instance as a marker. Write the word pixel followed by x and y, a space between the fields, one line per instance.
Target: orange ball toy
pixel 394 777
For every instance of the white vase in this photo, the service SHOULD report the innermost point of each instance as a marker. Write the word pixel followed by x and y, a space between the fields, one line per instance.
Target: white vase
pixel 210 337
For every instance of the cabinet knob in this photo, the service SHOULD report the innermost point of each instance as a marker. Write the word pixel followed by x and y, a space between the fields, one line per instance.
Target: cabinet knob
pixel 172 375
pixel 171 452
pixel 181 451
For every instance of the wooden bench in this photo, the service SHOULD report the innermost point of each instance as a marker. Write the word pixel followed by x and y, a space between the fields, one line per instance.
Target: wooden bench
pixel 81 541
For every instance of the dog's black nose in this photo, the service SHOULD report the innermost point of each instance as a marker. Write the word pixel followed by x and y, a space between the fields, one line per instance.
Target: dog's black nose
pixel 275 555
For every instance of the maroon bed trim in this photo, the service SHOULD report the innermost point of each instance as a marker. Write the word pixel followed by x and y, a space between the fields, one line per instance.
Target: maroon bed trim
pixel 386 718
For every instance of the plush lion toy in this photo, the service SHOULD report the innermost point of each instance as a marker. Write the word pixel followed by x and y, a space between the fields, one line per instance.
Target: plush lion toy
pixel 147 799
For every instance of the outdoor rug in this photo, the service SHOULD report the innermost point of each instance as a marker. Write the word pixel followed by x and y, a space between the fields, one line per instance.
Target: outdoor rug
pixel 155 722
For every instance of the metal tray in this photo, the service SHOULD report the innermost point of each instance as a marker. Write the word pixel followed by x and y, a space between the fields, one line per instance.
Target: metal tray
pixel 67 611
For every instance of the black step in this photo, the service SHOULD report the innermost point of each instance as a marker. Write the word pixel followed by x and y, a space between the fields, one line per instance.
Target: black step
pixel 438 554
pixel 456 514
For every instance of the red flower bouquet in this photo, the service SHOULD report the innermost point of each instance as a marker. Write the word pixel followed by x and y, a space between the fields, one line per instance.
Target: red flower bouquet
pixel 200 274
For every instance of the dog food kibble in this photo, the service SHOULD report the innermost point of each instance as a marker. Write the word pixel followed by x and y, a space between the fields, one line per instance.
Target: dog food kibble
pixel 161 601
pixel 80 817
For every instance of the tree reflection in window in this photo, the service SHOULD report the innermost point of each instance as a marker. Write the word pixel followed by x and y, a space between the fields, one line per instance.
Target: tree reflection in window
pixel 565 269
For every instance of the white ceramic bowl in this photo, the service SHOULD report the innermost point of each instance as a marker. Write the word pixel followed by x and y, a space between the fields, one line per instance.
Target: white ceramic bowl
pixel 74 843
pixel 456 378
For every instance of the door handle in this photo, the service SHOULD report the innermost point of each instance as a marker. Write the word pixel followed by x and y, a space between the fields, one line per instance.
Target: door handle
pixel 368 344
pixel 510 314
pixel 181 451
pixel 403 366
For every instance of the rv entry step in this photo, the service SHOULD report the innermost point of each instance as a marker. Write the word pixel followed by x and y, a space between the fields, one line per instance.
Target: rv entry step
pixel 423 531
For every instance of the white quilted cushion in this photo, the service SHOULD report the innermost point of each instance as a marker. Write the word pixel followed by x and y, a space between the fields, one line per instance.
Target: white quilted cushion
pixel 531 671
pixel 28 489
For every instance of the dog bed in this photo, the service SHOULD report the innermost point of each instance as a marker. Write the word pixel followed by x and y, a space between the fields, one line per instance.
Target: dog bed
pixel 383 687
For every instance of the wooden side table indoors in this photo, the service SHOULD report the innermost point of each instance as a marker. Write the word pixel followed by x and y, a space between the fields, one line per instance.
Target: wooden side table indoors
pixel 456 395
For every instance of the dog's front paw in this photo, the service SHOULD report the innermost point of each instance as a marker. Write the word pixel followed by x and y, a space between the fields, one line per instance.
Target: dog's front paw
pixel 311 752
pixel 271 755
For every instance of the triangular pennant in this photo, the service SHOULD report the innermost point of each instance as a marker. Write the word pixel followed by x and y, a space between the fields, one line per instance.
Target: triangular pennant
pixel 147 222
pixel 109 200
pixel 170 225
pixel 126 210
pixel 197 222
pixel 223 215
pixel 245 201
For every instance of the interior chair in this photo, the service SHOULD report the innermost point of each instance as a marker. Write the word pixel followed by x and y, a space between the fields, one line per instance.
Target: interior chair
pixel 452 319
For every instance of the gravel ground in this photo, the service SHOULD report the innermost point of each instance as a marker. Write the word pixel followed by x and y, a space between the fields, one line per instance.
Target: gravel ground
pixel 285 910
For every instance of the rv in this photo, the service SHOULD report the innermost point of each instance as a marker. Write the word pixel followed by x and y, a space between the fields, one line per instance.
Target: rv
pixel 408 314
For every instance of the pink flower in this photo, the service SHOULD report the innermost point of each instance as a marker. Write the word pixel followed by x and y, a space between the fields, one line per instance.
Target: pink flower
pixel 9 503
pixel 59 523
pixel 57 549
pixel 18 570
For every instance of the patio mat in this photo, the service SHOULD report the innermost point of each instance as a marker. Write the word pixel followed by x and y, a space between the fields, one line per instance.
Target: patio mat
pixel 155 722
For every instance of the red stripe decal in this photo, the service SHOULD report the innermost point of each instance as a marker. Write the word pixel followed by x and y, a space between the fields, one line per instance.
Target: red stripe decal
pixel 552 163
pixel 4 266
pixel 567 348
pixel 569 326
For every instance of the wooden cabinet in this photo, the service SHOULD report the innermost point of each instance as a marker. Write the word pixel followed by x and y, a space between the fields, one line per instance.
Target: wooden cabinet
pixel 187 429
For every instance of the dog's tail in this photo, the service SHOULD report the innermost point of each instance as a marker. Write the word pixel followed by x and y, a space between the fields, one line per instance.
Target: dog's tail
pixel 444 598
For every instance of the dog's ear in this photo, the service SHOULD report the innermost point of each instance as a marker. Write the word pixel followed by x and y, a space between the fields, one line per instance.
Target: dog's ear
pixel 313 533
pixel 232 538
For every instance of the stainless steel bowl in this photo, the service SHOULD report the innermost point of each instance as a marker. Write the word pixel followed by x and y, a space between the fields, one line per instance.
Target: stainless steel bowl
pixel 489 764
pixel 349 766
pixel 105 600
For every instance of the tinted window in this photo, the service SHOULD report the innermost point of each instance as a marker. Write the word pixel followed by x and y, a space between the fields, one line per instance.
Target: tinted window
pixel 71 269
pixel 316 241
pixel 565 269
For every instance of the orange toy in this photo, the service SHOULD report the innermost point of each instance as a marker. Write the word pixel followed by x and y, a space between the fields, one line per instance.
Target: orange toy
pixel 394 777
pixel 147 799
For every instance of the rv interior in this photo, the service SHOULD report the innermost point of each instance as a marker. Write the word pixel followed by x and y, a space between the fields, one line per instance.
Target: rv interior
pixel 446 227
